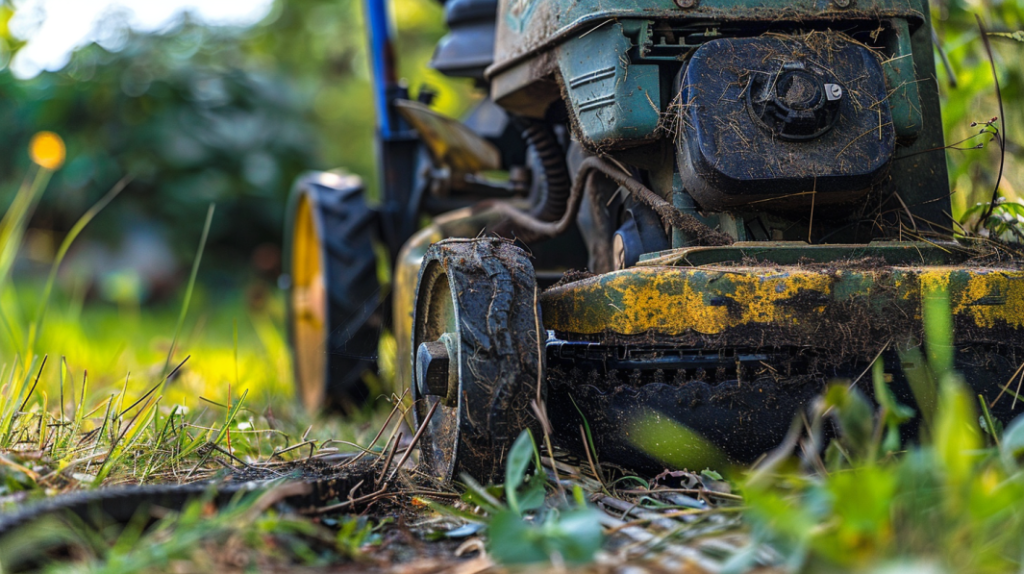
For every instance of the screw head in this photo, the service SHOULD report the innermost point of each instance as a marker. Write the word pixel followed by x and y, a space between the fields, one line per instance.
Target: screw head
pixel 833 92
pixel 842 3
pixel 686 3
pixel 432 366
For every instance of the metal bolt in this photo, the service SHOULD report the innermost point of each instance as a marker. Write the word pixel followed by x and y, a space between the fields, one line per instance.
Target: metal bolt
pixel 842 3
pixel 686 3
pixel 833 92
pixel 432 364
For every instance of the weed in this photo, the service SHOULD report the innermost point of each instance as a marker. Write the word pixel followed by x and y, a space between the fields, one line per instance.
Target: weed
pixel 524 528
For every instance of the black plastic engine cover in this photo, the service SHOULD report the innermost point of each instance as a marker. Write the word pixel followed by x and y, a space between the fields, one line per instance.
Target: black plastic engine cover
pixel 778 120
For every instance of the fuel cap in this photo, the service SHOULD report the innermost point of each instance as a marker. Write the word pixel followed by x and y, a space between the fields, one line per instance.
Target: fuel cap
pixel 795 104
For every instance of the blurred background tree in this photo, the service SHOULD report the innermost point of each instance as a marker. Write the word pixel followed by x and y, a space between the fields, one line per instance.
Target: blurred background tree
pixel 229 110
pixel 197 113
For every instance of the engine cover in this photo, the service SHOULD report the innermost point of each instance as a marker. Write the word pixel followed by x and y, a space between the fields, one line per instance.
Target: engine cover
pixel 784 122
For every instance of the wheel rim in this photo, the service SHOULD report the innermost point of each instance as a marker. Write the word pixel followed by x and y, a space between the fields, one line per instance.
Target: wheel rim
pixel 308 302
pixel 438 316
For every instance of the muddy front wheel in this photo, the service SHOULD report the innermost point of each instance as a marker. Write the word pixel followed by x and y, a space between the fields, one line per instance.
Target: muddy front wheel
pixel 477 355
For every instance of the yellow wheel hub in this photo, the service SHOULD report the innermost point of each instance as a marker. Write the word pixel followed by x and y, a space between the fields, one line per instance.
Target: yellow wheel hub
pixel 309 307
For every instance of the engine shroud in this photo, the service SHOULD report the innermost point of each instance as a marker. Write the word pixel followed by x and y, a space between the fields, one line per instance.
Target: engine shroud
pixel 783 121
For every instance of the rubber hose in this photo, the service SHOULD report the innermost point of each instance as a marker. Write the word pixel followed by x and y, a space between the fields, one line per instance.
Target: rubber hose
pixel 531 225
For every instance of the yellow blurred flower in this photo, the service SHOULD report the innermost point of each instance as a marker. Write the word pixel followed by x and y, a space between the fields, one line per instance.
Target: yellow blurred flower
pixel 47 150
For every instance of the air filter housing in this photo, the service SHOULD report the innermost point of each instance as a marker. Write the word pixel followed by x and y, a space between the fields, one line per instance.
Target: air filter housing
pixel 779 120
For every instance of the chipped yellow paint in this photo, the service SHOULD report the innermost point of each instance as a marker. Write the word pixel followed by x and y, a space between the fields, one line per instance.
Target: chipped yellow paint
pixel 760 294
pixel 908 286
pixel 1004 289
pixel 709 301
pixel 659 302
pixel 934 280
pixel 671 299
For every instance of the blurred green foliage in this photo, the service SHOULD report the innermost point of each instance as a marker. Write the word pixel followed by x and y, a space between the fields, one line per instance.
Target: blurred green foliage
pixel 953 503
pixel 968 95
pixel 201 114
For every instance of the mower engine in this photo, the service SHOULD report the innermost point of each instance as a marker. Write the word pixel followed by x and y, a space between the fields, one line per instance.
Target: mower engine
pixel 774 107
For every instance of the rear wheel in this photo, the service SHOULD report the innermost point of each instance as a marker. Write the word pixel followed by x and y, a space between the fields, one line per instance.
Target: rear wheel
pixel 333 291
pixel 476 355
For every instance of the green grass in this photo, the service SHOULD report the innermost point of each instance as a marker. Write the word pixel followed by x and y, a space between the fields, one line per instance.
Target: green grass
pixel 97 414
pixel 102 360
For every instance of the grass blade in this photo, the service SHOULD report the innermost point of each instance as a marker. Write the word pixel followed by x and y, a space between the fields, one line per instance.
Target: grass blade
pixel 65 245
pixel 191 286
pixel 11 410
pixel 15 220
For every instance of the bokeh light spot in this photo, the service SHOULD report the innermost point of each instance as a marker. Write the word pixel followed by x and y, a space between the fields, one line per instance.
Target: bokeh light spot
pixel 47 150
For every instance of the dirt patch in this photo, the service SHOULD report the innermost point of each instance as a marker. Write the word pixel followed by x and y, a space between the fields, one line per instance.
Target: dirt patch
pixel 572 276
pixel 692 226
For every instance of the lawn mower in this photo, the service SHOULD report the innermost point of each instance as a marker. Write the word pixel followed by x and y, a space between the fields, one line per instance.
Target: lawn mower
pixel 664 229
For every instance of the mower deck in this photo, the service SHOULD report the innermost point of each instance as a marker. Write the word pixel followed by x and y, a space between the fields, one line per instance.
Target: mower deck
pixel 665 360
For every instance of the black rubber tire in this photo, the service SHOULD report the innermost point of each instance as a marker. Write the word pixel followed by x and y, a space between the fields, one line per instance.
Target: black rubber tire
pixel 493 293
pixel 347 228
